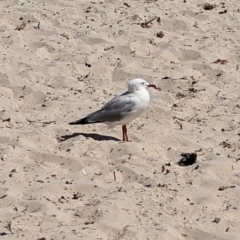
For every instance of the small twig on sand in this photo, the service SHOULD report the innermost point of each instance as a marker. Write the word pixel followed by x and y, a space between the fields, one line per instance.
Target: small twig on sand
pixel 20 27
pixel 145 24
pixel 114 175
pixel 126 4
pixel 225 187
pixel 8 226
pixel 192 118
pixel 221 61
pixel 180 119
pixel 181 127
pixel 106 49
pixel 82 78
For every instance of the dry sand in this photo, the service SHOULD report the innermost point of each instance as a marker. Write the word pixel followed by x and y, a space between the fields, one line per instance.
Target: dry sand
pixel 57 181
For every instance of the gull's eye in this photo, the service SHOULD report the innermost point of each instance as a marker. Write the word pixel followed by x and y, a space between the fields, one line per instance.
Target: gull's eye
pixel 143 83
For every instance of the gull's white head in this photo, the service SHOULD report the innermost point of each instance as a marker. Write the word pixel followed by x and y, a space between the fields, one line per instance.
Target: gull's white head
pixel 139 84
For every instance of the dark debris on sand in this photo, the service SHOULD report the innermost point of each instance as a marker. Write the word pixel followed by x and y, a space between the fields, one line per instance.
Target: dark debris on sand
pixel 187 159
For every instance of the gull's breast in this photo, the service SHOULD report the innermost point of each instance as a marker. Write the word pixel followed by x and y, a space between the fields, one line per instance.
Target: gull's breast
pixel 141 99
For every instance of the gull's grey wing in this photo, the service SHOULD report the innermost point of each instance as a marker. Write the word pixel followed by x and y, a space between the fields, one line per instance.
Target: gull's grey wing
pixel 114 110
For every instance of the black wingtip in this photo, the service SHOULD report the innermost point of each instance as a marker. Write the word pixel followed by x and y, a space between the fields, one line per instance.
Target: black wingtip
pixel 80 121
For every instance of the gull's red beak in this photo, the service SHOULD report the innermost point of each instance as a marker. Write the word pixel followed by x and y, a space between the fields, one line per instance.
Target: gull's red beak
pixel 152 85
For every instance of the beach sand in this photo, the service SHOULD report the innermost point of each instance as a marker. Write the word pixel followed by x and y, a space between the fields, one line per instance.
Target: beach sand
pixel 81 182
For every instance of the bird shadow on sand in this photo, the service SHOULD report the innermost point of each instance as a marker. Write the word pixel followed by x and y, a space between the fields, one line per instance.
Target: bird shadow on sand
pixel 95 136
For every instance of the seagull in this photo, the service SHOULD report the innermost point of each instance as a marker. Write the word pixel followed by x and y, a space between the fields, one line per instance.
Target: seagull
pixel 123 108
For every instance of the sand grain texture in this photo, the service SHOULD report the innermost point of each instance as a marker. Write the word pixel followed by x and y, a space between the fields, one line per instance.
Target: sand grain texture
pixel 57 181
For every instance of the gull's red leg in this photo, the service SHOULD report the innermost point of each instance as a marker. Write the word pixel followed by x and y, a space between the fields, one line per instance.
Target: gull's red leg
pixel 123 131
pixel 125 136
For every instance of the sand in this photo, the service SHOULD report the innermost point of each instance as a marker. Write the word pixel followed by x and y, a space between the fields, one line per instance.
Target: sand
pixel 81 182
